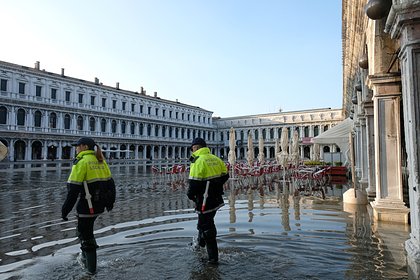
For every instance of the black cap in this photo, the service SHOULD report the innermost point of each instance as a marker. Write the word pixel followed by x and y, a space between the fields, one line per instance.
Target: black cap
pixel 199 141
pixel 85 141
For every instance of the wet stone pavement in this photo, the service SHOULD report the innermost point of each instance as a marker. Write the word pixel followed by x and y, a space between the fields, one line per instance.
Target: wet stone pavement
pixel 265 231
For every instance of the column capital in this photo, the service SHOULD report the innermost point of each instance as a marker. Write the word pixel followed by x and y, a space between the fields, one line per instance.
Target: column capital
pixel 368 107
pixel 386 84
pixel 402 15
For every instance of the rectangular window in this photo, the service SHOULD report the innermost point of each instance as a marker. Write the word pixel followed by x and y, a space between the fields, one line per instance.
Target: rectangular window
pixel 141 109
pixel 123 105
pixel 53 93
pixel 103 102
pixel 22 88
pixel 68 94
pixel 170 114
pixel 3 84
pixel 80 98
pixel 163 113
pixel 38 91
pixel 149 110
pixel 92 100
pixel 176 115
pixel 114 104
pixel 156 111
pixel 132 107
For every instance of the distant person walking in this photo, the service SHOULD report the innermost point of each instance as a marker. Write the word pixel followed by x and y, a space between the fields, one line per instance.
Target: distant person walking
pixel 208 173
pixel 91 185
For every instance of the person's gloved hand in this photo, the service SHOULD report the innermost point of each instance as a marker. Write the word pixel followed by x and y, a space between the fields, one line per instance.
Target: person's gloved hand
pixel 64 218
pixel 109 208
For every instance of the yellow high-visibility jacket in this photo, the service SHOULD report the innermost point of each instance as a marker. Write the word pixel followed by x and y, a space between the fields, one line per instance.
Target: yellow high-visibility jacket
pixel 100 184
pixel 207 167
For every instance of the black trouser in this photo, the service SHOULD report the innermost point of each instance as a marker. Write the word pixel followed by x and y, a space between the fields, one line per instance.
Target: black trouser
pixel 206 222
pixel 85 233
pixel 207 232
pixel 85 228
pixel 87 242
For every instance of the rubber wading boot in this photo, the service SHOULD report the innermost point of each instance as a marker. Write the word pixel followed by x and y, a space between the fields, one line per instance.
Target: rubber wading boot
pixel 89 251
pixel 212 251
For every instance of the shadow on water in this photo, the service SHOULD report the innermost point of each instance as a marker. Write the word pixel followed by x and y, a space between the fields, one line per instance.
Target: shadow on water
pixel 265 231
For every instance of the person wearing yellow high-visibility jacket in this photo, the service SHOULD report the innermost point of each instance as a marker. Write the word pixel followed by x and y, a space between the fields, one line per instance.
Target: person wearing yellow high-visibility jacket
pixel 207 175
pixel 91 185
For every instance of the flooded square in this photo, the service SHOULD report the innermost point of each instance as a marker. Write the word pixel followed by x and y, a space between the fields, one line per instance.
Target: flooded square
pixel 265 231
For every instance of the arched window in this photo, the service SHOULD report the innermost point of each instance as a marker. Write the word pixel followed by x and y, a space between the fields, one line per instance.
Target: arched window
pixel 103 125
pixel 21 117
pixel 114 126
pixel 316 130
pixel 164 131
pixel 132 127
pixel 306 131
pixel 92 124
pixel 149 130
pixel 221 136
pixel 156 130
pixel 170 131
pixel 123 126
pixel 325 128
pixel 80 123
pixel 67 121
pixel 37 118
pixel 256 134
pixel 176 133
pixel 141 128
pixel 271 133
pixel 3 115
pixel 53 120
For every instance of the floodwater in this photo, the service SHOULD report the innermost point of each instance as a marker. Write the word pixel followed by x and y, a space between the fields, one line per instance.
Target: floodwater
pixel 265 231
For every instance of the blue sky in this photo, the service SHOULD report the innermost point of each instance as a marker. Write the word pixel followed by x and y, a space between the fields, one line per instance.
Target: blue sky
pixel 232 57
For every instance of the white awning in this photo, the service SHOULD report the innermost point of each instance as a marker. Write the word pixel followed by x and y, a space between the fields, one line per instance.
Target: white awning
pixel 338 135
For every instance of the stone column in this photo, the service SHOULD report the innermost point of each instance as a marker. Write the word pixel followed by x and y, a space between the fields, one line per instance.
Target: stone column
pixel 59 150
pixel 45 150
pixel 388 204
pixel 136 152
pixel 28 151
pixel 363 160
pixel 370 143
pixel 404 24
pixel 357 148
pixel 11 148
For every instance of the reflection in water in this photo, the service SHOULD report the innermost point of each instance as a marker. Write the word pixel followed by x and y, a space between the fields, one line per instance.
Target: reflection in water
pixel 147 234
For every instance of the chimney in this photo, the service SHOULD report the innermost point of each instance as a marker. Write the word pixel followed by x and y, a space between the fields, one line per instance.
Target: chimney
pixel 96 81
pixel 155 94
pixel 141 90
pixel 62 72
pixel 37 65
pixel 117 86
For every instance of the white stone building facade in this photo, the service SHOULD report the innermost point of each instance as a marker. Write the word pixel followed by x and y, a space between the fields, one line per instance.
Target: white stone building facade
pixel 42 113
